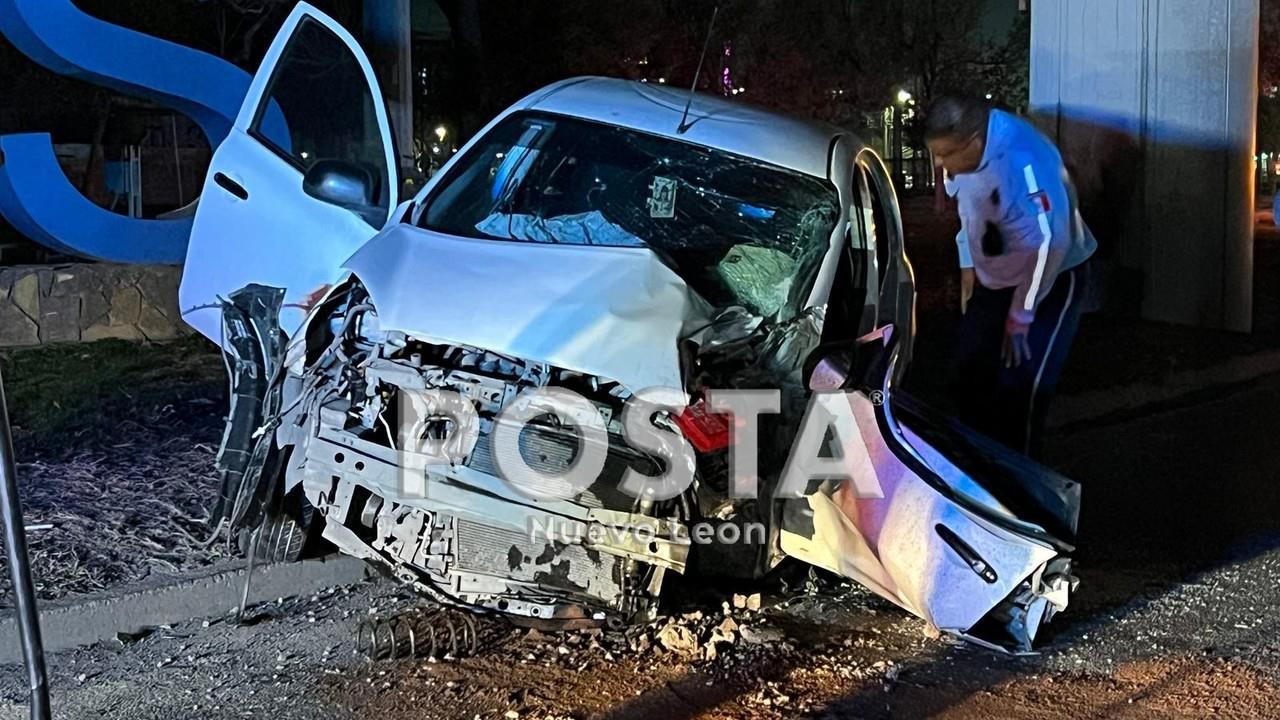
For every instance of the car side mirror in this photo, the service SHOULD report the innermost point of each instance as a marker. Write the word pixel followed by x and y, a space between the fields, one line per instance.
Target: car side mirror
pixel 346 185
pixel 830 372
pixel 841 365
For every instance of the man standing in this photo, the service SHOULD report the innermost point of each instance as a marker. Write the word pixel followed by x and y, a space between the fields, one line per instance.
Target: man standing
pixel 1023 251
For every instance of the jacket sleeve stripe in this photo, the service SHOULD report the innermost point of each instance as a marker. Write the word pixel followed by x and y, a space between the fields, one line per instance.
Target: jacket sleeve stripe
pixel 1046 234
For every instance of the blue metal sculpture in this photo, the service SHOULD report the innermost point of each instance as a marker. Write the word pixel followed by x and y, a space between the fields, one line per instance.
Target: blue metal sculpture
pixel 35 195
pixel 38 200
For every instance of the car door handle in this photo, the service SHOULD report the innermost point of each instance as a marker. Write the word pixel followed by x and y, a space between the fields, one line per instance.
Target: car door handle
pixel 231 186
pixel 967 554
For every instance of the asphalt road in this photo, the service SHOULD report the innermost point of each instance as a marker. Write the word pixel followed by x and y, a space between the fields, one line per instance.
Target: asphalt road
pixel 1174 618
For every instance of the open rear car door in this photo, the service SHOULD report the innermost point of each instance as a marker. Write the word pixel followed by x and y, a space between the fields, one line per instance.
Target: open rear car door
pixel 946 523
pixel 305 177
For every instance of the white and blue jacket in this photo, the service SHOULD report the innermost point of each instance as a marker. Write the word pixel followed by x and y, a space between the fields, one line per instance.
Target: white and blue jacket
pixel 1020 226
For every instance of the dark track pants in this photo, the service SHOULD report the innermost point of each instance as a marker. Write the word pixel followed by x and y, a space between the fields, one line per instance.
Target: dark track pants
pixel 1011 404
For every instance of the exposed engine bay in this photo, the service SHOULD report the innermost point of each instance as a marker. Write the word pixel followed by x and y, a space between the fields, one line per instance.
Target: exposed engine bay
pixel 410 421
pixel 458 532
pixel 347 428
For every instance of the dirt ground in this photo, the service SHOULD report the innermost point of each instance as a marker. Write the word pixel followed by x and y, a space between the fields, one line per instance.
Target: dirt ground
pixel 832 655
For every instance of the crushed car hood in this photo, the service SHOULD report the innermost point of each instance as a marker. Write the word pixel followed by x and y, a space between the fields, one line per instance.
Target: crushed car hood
pixel 613 312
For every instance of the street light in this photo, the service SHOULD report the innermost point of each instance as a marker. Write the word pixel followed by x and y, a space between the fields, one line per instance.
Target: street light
pixel 904 97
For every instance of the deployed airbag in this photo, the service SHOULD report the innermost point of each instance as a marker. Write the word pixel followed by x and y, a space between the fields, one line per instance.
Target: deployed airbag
pixel 589 228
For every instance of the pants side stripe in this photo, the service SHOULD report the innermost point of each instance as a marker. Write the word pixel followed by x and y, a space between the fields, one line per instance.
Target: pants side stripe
pixel 1048 350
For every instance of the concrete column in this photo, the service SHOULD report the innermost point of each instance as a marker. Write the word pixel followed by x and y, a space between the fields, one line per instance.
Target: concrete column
pixel 1154 104
pixel 388 33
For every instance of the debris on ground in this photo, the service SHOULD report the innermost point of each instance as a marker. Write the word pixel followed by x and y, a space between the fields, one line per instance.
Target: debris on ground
pixel 1180 640
pixel 678 639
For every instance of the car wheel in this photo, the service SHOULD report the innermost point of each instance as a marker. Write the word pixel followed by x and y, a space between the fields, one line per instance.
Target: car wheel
pixel 289 533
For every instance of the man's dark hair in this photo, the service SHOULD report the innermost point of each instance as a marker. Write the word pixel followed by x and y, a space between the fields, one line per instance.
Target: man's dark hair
pixel 956 117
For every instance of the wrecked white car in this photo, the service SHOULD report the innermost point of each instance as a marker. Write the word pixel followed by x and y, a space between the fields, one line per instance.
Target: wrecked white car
pixel 599 239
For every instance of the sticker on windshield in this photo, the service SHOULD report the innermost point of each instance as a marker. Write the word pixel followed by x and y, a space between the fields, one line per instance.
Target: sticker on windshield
pixel 662 197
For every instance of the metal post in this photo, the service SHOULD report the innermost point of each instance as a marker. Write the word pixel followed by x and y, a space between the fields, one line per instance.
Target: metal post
pixel 388 30
pixel 24 594
pixel 177 157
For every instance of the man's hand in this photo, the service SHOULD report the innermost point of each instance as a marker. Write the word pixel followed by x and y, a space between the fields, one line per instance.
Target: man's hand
pixel 967 280
pixel 1017 345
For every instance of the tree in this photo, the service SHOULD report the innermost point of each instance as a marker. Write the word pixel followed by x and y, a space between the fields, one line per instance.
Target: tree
pixel 1269 45
pixel 820 59
pixel 240 22
pixel 937 43
pixel 1268 134
pixel 1006 68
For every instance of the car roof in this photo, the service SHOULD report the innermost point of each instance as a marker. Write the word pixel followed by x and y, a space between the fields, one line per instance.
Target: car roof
pixel 716 122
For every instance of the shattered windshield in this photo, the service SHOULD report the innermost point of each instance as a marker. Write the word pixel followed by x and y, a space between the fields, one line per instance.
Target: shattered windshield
pixel 739 232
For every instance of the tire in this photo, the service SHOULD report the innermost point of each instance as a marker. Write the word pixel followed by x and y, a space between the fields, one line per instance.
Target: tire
pixel 289 533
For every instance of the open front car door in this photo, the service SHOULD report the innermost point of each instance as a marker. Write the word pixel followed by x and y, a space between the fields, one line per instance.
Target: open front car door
pixel 305 177
pixel 931 515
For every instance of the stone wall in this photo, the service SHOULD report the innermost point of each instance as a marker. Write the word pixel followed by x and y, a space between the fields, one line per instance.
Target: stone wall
pixel 81 302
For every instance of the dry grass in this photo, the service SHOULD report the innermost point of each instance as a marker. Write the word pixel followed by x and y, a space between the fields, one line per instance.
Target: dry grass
pixel 115 445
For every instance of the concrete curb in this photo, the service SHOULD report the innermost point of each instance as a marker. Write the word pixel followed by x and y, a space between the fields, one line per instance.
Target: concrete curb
pixel 86 620
pixel 1073 409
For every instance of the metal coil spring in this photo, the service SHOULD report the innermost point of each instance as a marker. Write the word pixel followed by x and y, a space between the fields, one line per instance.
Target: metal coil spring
pixel 439 633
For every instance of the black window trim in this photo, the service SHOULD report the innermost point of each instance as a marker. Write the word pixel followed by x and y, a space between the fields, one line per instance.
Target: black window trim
pixel 264 100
